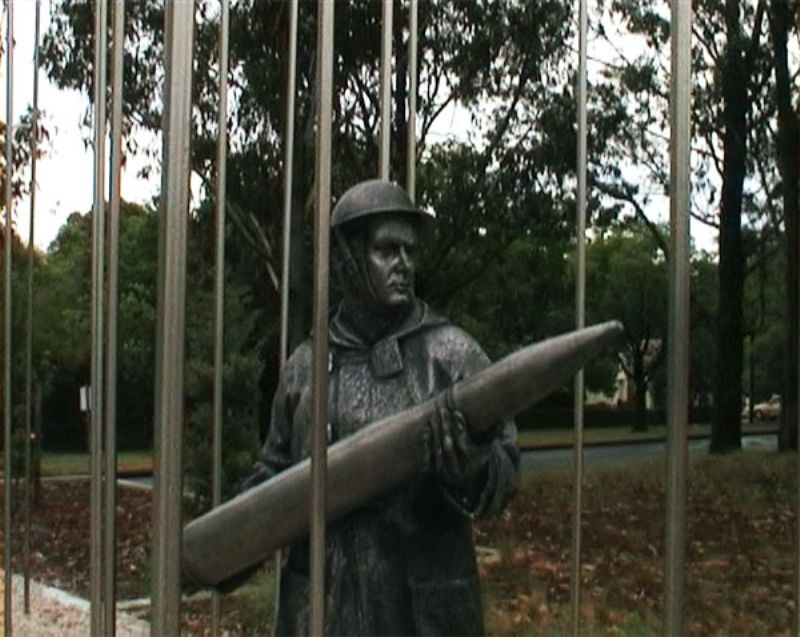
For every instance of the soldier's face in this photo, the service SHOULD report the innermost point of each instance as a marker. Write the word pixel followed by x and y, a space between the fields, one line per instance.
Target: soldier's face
pixel 390 251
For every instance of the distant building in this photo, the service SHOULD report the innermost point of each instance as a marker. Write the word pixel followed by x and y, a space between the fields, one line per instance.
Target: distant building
pixel 624 387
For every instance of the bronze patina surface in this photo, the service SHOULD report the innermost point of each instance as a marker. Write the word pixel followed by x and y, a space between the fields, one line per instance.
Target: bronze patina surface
pixel 422 443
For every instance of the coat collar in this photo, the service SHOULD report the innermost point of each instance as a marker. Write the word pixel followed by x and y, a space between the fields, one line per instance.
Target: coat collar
pixel 385 355
pixel 342 333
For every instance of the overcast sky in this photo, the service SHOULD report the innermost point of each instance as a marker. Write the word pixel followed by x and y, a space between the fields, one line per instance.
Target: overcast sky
pixel 65 174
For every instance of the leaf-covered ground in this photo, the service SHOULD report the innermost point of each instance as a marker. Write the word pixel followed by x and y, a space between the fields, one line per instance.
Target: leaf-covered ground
pixel 739 563
pixel 60 531
pixel 59 545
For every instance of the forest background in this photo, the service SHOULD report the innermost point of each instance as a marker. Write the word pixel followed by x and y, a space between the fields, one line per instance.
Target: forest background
pixel 501 261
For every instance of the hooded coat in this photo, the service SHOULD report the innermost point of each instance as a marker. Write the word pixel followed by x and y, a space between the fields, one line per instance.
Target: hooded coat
pixel 405 563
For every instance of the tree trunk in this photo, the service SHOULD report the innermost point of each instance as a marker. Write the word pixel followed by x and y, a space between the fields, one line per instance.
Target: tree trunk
pixel 726 429
pixel 788 147
pixel 640 395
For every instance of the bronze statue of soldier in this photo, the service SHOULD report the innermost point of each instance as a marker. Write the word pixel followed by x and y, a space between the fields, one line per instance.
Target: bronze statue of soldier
pixel 403 564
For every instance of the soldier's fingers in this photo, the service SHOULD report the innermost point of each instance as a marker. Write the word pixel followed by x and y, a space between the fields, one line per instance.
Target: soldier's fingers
pixel 463 443
pixel 460 420
pixel 450 454
pixel 434 425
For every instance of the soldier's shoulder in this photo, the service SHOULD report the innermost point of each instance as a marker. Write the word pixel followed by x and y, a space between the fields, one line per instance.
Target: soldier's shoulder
pixel 301 353
pixel 299 361
pixel 451 340
pixel 445 329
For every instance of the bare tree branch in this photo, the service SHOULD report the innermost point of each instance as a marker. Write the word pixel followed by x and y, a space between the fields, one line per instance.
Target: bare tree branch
pixel 626 193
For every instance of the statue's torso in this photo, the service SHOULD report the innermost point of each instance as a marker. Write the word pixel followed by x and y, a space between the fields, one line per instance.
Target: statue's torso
pixel 392 557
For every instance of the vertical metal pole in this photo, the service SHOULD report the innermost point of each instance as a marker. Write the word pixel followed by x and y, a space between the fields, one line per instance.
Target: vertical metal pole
pixel 98 330
pixel 319 369
pixel 7 458
pixel 797 513
pixel 580 321
pixel 110 483
pixel 678 334
pixel 288 185
pixel 288 178
pixel 179 35
pixel 411 158
pixel 29 330
pixel 386 88
pixel 219 280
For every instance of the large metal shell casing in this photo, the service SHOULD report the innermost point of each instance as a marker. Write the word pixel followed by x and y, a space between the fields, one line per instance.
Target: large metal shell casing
pixel 247 529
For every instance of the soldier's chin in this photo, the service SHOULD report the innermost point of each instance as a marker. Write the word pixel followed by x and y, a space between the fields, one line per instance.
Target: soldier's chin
pixel 398 301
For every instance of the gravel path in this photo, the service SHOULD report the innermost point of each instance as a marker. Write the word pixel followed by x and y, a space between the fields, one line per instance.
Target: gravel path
pixel 55 613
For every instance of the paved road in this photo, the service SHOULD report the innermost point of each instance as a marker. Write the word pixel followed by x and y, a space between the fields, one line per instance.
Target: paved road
pixel 618 453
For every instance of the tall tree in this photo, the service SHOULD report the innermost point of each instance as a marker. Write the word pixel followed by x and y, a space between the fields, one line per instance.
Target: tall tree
pixel 506 64
pixel 781 21
pixel 737 78
pixel 730 76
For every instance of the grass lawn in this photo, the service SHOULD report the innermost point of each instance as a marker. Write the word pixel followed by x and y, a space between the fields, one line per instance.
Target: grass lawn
pixel 70 464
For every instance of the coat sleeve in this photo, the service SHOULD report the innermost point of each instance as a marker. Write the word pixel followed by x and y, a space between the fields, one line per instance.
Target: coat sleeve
pixel 276 454
pixel 499 481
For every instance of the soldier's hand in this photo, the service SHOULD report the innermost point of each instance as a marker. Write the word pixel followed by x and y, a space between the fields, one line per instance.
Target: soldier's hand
pixel 453 455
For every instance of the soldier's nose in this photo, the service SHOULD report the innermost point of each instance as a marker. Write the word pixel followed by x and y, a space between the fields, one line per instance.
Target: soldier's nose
pixel 404 257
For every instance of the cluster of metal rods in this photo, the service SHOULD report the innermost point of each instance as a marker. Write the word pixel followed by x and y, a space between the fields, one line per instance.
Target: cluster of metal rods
pixel 172 282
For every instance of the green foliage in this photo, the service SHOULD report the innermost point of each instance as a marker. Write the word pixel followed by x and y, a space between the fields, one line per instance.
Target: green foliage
pixel 702 350
pixel 765 325
pixel 507 63
pixel 255 600
pixel 21 152
pixel 62 341
pixel 241 373
pixel 63 329
pixel 503 192
pixel 497 264
pixel 627 281
pixel 19 313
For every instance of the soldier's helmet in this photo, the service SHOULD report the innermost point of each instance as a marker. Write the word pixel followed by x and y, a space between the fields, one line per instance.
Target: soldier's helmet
pixel 374 197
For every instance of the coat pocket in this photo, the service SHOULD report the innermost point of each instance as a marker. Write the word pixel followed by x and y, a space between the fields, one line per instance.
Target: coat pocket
pixel 448 607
